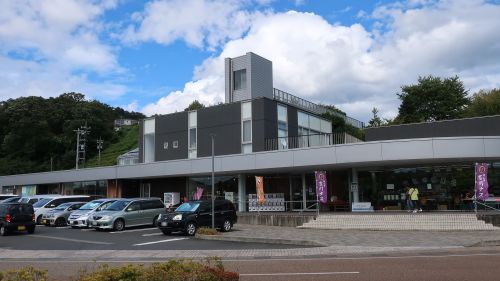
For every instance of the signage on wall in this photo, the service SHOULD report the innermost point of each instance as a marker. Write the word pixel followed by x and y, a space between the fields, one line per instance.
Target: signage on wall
pixel 354 187
pixel 362 207
pixel 321 186
pixel 390 186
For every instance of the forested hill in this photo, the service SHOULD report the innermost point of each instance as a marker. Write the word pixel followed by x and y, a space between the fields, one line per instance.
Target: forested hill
pixel 34 130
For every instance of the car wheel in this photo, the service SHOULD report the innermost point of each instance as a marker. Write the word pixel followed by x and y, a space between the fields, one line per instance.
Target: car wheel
pixel 166 232
pixel 154 220
pixel 3 231
pixel 31 230
pixel 119 225
pixel 190 229
pixel 39 219
pixel 227 225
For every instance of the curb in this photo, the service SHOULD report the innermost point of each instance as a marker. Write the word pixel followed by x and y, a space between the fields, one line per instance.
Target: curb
pixel 486 244
pixel 260 240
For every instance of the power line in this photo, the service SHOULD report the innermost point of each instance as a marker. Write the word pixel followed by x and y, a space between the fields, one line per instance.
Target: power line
pixel 81 144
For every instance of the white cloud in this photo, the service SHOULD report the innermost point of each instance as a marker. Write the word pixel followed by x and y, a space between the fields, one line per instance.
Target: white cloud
pixel 49 46
pixel 357 69
pixel 199 23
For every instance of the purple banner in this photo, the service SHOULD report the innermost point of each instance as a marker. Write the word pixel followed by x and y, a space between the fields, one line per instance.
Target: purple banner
pixel 482 181
pixel 198 193
pixel 321 187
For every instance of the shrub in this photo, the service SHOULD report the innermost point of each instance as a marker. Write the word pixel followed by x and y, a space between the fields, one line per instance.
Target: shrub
pixel 174 270
pixel 27 273
pixel 207 231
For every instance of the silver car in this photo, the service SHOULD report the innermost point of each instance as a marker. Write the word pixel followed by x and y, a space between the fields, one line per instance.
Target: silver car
pixel 59 215
pixel 128 212
pixel 80 217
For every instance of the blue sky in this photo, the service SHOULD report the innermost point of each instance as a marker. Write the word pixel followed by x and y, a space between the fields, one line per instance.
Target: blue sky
pixel 158 56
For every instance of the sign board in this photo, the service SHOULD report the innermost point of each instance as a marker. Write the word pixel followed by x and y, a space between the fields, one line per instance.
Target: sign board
pixel 390 186
pixel 362 207
pixel 354 187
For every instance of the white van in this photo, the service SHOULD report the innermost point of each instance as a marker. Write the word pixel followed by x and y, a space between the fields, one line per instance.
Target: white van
pixel 47 203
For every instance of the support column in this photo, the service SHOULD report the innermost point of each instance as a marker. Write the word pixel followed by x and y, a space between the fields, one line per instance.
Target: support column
pixel 242 193
pixel 304 195
pixel 354 183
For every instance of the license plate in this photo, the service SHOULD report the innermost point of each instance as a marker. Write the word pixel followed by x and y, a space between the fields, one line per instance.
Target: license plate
pixel 94 223
pixel 163 223
pixel 21 227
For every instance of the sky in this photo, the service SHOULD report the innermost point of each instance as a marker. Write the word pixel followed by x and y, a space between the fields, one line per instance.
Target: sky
pixel 156 57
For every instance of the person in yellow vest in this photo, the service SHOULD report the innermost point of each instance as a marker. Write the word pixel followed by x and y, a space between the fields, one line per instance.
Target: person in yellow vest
pixel 413 192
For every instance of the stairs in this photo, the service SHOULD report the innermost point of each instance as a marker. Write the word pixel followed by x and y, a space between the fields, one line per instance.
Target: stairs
pixel 400 221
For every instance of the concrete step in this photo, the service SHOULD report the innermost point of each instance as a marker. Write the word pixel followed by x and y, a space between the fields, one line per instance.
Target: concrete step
pixel 419 221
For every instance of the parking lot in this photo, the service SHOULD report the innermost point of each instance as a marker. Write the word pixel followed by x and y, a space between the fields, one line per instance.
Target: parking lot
pixel 143 238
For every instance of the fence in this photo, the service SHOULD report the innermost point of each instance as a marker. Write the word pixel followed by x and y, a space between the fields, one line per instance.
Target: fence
pixel 309 141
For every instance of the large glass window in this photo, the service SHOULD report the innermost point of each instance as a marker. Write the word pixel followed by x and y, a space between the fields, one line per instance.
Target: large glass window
pixel 282 127
pixel 246 127
pixel 313 131
pixel 240 79
pixel 192 134
pixel 149 140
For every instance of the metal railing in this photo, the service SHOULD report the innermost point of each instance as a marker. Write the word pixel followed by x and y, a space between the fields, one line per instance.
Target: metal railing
pixel 313 140
pixel 289 206
pixel 290 99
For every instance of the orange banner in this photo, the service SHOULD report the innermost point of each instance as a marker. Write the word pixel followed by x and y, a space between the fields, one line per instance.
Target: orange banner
pixel 259 185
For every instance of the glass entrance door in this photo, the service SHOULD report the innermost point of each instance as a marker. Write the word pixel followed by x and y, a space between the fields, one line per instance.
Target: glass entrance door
pixel 310 193
pixel 296 193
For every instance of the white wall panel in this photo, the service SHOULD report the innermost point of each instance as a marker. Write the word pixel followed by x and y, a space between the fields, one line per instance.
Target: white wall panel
pixel 401 150
pixel 458 147
pixel 360 152
pixel 314 156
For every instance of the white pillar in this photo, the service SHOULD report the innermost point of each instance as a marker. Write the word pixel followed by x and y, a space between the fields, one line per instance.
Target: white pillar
pixel 304 192
pixel 354 182
pixel 242 193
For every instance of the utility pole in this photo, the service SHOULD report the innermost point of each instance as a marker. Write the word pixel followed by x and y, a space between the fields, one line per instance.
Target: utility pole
pixel 81 143
pixel 212 136
pixel 99 147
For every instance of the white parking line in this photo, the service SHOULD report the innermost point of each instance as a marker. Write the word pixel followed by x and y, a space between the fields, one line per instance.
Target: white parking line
pixel 152 234
pixel 72 240
pixel 161 241
pixel 133 230
pixel 299 273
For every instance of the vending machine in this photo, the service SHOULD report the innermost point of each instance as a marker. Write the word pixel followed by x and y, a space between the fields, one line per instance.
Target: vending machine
pixel 171 198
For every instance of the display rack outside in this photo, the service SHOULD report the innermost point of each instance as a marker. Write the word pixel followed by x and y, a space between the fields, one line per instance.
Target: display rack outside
pixel 273 202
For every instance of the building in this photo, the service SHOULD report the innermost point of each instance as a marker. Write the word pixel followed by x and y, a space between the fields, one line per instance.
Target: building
pixel 128 158
pixel 263 131
pixel 124 122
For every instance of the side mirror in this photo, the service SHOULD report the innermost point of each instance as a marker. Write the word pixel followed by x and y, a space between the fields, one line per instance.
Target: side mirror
pixel 70 209
pixel 129 209
pixel 98 209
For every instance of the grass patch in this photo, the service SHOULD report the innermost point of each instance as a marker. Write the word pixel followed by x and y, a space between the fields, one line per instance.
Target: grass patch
pixel 207 231
pixel 128 139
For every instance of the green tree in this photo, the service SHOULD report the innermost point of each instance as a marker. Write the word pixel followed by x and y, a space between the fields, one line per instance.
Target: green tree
pixel 484 103
pixel 376 121
pixel 195 105
pixel 433 98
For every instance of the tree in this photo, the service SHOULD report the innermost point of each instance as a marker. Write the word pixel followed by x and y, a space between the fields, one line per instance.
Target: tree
pixel 484 103
pixel 375 121
pixel 195 105
pixel 432 99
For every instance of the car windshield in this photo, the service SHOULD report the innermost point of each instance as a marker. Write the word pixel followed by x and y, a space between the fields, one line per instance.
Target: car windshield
pixel 41 202
pixel 91 205
pixel 188 207
pixel 63 206
pixel 24 200
pixel 118 205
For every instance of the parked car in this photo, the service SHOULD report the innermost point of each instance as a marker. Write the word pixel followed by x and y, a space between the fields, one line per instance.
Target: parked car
pixel 80 217
pixel 192 215
pixel 16 217
pixel 14 199
pixel 7 196
pixel 35 198
pixel 46 204
pixel 128 212
pixel 59 215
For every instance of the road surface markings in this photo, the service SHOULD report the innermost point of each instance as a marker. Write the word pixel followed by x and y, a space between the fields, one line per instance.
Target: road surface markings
pixel 161 241
pixel 132 230
pixel 72 240
pixel 299 273
pixel 152 234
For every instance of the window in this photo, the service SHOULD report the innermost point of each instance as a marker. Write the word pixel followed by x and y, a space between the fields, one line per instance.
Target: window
pixel 240 79
pixel 165 145
pixel 149 140
pixel 192 134
pixel 175 144
pixel 246 127
pixel 282 127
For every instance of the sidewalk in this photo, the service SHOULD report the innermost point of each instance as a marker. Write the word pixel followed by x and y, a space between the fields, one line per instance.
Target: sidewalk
pixel 356 238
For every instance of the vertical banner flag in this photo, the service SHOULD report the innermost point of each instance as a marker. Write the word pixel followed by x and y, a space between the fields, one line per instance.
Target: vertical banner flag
pixel 321 187
pixel 259 185
pixel 198 193
pixel 482 181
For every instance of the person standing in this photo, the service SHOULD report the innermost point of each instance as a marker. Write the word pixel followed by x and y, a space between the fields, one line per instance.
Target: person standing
pixel 413 192
pixel 409 203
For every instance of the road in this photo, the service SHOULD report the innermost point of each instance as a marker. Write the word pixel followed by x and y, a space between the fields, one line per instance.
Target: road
pixel 144 238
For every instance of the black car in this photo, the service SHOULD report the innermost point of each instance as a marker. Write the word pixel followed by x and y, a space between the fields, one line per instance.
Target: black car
pixel 189 216
pixel 16 217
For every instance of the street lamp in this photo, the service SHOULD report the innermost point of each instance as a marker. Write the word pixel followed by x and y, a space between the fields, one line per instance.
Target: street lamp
pixel 212 136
